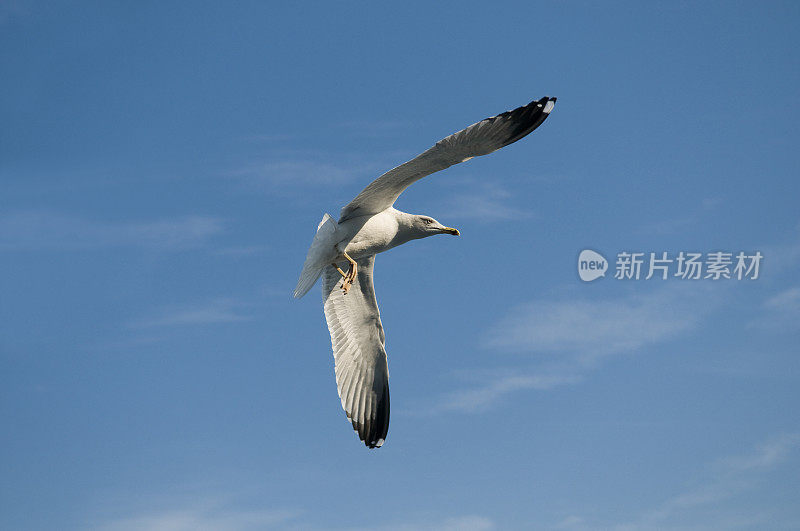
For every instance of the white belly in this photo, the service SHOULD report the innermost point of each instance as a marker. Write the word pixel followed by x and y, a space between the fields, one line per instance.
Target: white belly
pixel 366 237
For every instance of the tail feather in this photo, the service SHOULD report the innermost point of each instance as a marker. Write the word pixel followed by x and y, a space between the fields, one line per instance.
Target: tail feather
pixel 319 255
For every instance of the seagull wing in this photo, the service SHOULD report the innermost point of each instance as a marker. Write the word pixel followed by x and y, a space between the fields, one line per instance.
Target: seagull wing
pixel 362 373
pixel 478 139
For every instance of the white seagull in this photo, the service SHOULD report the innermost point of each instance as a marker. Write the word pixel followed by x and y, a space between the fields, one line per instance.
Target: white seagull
pixel 370 225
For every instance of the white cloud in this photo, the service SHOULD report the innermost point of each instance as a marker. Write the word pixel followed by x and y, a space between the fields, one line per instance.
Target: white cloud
pixel 766 456
pixel 570 337
pixel 782 257
pixel 242 250
pixel 571 522
pixel 591 329
pixel 283 175
pixel 210 312
pixel 44 229
pixel 200 519
pixel 205 516
pixel 481 397
pixel 729 477
pixel 484 202
pixel 785 300
pixel 711 503
pixel 781 312
pixel 459 523
pixel 465 523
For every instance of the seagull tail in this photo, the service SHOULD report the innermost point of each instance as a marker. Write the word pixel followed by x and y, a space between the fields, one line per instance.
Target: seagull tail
pixel 319 255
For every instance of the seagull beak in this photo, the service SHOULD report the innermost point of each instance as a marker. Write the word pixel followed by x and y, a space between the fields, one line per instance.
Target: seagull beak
pixel 450 230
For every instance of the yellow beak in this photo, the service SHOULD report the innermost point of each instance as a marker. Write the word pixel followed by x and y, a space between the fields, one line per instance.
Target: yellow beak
pixel 451 230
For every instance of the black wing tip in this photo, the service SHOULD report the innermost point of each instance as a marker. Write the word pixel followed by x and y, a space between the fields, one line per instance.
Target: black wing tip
pixel 373 432
pixel 372 436
pixel 524 120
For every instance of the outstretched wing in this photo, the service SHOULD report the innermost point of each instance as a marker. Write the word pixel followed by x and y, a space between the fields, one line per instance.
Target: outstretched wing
pixel 478 139
pixel 362 373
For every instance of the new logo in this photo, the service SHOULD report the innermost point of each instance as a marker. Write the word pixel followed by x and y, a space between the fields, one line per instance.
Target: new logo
pixel 591 265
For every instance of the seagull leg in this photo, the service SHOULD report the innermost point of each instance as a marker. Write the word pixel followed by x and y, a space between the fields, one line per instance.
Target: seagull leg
pixel 351 274
pixel 345 278
pixel 339 269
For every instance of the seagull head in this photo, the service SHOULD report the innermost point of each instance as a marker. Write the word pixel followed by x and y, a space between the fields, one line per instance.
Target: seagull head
pixel 427 226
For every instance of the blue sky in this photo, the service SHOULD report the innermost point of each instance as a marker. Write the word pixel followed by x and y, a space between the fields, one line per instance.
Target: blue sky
pixel 164 166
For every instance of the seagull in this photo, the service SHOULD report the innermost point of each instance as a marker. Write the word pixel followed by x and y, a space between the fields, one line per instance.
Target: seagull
pixel 369 225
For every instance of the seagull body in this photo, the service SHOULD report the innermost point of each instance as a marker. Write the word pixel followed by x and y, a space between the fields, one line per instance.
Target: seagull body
pixel 369 225
pixel 372 234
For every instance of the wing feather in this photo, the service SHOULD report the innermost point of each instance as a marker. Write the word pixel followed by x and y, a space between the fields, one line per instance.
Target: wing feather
pixel 362 373
pixel 478 139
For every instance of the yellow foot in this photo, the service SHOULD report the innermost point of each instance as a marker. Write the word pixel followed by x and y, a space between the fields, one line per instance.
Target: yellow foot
pixel 350 276
pixel 346 285
pixel 348 280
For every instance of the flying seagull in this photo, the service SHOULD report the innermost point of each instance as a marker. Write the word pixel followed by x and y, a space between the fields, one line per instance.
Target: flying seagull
pixel 369 225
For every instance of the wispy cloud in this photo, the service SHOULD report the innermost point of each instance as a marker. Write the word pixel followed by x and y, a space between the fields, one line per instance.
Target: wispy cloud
pixel 781 312
pixel 570 337
pixel 788 300
pixel 710 502
pixel 571 522
pixel 483 202
pixel 781 257
pixel 766 456
pixel 494 388
pixel 209 312
pixel 242 250
pixel 45 229
pixel 201 519
pixel 458 523
pixel 214 518
pixel 591 329
pixel 727 478
pixel 224 512
pixel 304 171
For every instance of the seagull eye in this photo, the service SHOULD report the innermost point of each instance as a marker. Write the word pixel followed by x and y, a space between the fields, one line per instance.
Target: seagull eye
pixel 427 221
